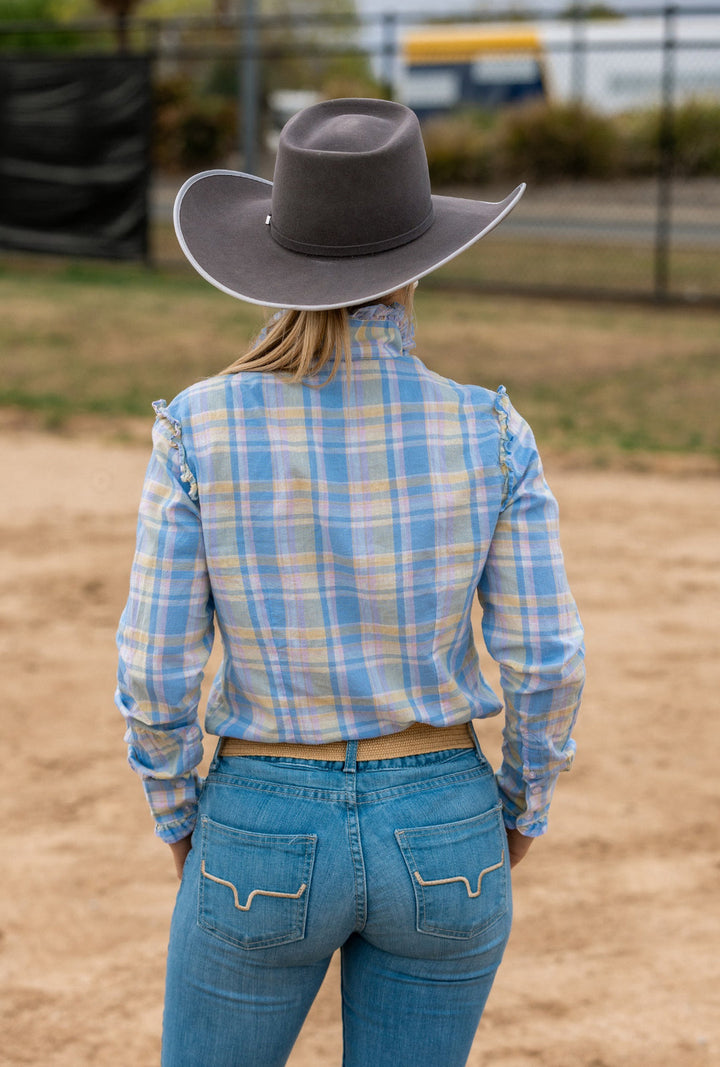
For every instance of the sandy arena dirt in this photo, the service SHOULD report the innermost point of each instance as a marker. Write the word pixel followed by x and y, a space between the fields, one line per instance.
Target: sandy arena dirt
pixel 614 959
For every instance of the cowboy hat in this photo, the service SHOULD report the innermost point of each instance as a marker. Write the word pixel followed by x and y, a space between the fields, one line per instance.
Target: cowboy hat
pixel 348 218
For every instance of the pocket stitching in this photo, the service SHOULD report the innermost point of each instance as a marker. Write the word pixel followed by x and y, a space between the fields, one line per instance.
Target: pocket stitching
pixel 296 931
pixel 253 892
pixel 462 878
pixel 424 925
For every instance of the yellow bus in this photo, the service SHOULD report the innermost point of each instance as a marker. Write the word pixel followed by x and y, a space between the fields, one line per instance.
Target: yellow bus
pixel 484 66
pixel 612 65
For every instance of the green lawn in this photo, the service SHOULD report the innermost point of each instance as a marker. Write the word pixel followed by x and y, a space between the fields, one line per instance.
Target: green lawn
pixel 610 267
pixel 596 380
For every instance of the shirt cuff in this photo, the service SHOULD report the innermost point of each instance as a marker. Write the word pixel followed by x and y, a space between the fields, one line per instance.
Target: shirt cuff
pixel 526 810
pixel 173 803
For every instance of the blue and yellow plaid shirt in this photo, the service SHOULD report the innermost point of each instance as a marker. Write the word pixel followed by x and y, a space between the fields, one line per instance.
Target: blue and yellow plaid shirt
pixel 337 538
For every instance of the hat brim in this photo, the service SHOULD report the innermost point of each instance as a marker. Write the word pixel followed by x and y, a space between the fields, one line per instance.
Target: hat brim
pixel 219 218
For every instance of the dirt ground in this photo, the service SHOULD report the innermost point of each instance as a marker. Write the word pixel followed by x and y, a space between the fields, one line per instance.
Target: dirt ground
pixel 614 959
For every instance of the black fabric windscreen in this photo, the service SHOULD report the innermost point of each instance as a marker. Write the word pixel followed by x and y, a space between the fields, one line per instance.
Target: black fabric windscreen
pixel 74 155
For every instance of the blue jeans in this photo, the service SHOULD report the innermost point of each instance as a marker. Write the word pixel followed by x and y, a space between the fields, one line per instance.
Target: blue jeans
pixel 400 863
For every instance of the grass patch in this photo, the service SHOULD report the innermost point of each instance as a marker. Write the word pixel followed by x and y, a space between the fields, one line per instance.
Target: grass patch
pixel 87 338
pixel 100 339
pixel 611 267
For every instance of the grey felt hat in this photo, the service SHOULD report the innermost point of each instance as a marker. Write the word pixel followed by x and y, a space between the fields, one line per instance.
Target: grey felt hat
pixel 348 217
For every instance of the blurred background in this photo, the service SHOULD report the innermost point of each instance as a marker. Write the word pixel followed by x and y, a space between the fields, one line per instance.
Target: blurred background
pixel 611 113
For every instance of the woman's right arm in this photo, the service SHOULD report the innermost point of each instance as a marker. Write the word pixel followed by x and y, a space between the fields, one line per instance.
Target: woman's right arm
pixel 165 637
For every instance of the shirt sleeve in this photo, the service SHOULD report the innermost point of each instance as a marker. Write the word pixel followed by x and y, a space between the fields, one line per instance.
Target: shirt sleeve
pixel 165 636
pixel 532 629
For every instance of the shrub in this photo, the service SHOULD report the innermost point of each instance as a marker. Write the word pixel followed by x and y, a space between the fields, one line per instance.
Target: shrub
pixel 458 150
pixel 550 141
pixel 638 132
pixel 337 86
pixel 190 130
pixel 695 139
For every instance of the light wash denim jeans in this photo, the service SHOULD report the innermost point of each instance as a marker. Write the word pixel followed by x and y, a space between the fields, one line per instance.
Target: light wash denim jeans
pixel 400 863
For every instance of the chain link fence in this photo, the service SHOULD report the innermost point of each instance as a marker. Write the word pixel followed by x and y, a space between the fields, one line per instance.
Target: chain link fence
pixel 613 122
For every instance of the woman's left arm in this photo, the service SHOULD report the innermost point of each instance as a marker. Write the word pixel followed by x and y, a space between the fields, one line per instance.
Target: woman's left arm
pixel 531 627
pixel 165 637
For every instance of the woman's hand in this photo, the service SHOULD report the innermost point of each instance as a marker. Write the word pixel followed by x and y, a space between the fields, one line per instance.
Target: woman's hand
pixel 180 851
pixel 518 845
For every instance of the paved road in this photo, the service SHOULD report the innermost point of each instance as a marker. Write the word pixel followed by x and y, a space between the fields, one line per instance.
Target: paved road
pixel 618 230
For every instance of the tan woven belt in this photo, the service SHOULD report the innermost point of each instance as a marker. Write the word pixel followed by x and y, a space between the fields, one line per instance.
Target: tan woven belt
pixel 417 739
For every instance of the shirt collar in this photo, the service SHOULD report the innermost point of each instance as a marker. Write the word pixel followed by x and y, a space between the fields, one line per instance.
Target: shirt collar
pixel 381 330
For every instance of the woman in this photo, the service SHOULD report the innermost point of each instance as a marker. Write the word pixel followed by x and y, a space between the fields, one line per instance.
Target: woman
pixel 333 507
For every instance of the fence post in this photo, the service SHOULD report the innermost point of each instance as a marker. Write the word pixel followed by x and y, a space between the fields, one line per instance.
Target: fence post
pixel 578 53
pixel 149 66
pixel 388 51
pixel 248 86
pixel 152 53
pixel 666 157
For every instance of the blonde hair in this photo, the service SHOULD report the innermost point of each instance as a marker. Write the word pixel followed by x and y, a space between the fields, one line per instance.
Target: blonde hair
pixel 301 343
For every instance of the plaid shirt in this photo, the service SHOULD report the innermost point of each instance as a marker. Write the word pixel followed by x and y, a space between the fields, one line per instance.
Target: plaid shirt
pixel 337 537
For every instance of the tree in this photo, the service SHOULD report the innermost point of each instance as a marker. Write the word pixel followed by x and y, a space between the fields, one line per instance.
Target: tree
pixel 48 13
pixel 589 11
pixel 299 25
pixel 121 10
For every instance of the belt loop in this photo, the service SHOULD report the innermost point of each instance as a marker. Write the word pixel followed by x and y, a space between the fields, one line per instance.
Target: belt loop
pixel 217 755
pixel 475 740
pixel 350 757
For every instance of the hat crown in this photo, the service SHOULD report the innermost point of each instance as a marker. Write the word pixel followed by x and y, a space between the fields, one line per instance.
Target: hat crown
pixel 351 178
pixel 342 133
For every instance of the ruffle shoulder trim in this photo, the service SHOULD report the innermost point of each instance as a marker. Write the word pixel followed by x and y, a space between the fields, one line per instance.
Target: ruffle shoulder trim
pixel 174 426
pixel 503 410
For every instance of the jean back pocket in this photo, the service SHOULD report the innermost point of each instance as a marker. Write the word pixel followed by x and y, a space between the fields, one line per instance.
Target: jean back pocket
pixel 459 874
pixel 254 888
